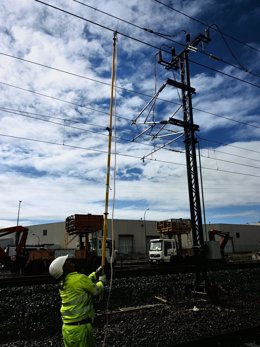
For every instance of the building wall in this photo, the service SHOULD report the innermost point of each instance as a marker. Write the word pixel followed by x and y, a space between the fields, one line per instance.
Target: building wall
pixel 139 231
pixel 52 233
pixel 246 238
pixel 5 242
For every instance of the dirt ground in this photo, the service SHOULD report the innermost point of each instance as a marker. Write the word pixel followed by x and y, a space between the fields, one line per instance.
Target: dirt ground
pixel 147 311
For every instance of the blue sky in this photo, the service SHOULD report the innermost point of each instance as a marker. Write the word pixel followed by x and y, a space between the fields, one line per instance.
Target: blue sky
pixel 55 85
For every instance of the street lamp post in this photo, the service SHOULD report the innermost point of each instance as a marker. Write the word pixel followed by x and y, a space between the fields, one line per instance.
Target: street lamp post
pixel 17 234
pixel 18 215
pixel 145 230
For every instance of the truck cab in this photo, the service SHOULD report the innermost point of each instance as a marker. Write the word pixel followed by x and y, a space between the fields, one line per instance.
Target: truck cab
pixel 96 246
pixel 162 250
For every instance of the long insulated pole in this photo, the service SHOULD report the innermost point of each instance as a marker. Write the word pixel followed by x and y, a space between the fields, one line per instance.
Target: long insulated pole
pixel 109 153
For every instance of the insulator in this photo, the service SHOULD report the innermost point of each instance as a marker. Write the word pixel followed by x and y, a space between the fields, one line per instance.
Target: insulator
pixel 160 56
pixel 207 34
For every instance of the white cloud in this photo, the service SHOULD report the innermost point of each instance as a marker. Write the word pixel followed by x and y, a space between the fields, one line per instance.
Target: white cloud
pixel 54 181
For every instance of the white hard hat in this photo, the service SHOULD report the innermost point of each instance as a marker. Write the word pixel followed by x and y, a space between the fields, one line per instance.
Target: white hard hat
pixel 56 267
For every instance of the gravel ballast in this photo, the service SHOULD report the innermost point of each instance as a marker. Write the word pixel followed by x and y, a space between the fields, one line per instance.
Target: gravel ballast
pixel 161 311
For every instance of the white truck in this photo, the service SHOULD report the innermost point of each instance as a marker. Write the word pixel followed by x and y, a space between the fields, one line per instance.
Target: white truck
pixel 168 250
pixel 162 250
pixel 165 250
pixel 175 241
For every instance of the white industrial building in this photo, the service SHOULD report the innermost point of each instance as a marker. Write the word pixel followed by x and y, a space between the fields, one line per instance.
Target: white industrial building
pixel 132 236
pixel 245 237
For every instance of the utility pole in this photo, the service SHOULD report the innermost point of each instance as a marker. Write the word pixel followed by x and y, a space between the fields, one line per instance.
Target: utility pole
pixel 18 213
pixel 181 62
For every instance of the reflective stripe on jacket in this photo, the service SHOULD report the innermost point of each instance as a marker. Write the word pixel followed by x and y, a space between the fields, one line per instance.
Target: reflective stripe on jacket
pixel 76 296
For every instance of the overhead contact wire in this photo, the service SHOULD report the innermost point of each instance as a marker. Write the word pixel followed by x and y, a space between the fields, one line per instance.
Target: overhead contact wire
pixel 206 24
pixel 169 38
pixel 138 40
pixel 156 148
pixel 119 154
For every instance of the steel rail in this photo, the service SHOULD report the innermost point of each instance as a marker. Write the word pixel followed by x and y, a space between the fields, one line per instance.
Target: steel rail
pixel 135 270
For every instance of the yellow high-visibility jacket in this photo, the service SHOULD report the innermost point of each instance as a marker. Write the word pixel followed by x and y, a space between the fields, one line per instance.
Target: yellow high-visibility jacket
pixel 76 293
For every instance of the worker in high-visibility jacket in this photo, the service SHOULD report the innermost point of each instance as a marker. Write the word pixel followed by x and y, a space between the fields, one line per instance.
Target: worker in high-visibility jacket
pixel 76 292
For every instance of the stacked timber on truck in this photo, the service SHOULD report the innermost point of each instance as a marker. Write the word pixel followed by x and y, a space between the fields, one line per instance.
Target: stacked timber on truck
pixel 83 223
pixel 180 230
pixel 174 226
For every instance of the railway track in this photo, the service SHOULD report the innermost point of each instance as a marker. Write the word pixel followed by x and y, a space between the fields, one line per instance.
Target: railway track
pixel 125 271
pixel 154 310
pixel 19 280
pixel 240 337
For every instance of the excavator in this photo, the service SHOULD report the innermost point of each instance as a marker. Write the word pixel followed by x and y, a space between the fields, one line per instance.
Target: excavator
pixel 224 238
pixel 34 260
pixel 13 258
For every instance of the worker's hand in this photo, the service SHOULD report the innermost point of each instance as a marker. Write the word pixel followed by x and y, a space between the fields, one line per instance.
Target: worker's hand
pixel 103 279
pixel 99 271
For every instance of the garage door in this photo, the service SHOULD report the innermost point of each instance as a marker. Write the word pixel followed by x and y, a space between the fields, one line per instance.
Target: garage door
pixel 126 243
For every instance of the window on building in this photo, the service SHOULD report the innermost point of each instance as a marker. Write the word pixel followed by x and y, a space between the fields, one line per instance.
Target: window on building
pixel 237 235
pixel 44 232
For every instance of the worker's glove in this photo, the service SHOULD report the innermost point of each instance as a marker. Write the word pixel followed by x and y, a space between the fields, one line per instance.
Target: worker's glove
pixel 99 270
pixel 103 279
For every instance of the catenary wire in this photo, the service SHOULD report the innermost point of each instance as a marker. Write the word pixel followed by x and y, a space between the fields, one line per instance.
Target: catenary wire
pixel 44 95
pixel 46 118
pixel 229 48
pixel 226 144
pixel 122 88
pixel 50 97
pixel 225 74
pixel 128 155
pixel 230 162
pixel 120 154
pixel 97 81
pixel 123 20
pixel 169 38
pixel 75 75
pixel 123 139
pixel 227 118
pixel 18 112
pixel 140 41
pixel 205 24
pixel 73 127
pixel 95 23
pixel 72 74
pixel 83 106
pixel 232 154
pixel 129 140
